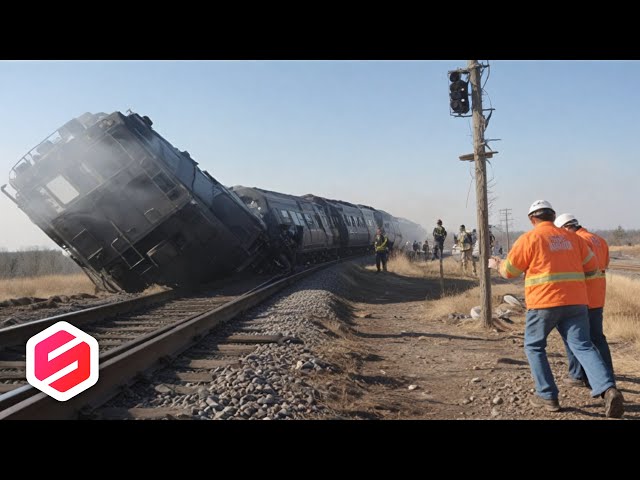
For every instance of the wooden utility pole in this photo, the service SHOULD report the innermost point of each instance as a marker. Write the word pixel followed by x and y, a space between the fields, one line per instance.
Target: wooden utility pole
pixel 481 191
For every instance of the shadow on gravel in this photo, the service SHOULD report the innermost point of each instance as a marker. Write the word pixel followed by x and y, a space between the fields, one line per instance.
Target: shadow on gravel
pixel 423 334
pixel 626 378
pixel 581 411
pixel 377 380
pixel 628 390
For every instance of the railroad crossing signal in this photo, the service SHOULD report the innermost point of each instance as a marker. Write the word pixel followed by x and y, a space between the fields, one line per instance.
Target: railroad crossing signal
pixel 458 93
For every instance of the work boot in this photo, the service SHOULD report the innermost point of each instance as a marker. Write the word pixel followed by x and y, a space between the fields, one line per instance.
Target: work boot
pixel 613 403
pixel 551 405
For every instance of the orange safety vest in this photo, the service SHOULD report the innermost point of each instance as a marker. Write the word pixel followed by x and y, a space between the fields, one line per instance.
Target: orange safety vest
pixel 554 262
pixel 597 284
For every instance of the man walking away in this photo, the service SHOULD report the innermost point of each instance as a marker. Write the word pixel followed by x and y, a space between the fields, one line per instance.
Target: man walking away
pixel 439 236
pixel 380 246
pixel 555 263
pixel 425 249
pixel 465 242
pixel 596 292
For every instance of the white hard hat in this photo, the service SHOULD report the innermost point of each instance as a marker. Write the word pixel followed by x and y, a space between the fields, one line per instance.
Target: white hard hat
pixel 565 218
pixel 539 205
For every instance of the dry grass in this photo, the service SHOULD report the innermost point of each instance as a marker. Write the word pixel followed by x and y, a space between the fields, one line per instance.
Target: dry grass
pixel 622 308
pixel 401 265
pixel 633 250
pixel 45 286
pixel 464 301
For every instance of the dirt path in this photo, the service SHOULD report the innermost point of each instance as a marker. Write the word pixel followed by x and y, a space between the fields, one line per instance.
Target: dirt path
pixel 406 358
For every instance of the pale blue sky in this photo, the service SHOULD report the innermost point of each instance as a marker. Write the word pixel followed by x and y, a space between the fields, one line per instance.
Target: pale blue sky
pixel 372 132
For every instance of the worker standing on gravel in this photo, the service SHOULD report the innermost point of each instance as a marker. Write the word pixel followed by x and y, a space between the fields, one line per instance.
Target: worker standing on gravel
pixel 596 292
pixel 555 263
pixel 465 242
pixel 425 249
pixel 439 236
pixel 380 245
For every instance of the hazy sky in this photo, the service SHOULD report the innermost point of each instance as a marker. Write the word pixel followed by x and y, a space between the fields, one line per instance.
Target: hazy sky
pixel 371 132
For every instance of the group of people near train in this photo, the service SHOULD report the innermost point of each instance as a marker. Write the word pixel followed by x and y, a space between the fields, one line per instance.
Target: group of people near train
pixel 565 287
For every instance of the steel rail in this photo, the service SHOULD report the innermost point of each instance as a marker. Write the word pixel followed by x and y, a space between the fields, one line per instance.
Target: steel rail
pixel 121 365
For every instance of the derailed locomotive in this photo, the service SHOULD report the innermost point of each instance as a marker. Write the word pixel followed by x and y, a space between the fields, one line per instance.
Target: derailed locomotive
pixel 132 210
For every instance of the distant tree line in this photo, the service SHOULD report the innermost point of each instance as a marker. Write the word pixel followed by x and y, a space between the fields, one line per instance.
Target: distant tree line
pixel 35 262
pixel 615 237
pixel 620 236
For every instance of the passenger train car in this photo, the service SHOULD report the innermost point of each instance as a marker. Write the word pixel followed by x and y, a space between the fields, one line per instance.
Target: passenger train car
pixel 133 210
pixel 130 208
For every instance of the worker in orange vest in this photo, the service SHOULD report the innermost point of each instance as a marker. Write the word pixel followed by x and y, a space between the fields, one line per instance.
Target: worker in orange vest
pixel 596 292
pixel 555 263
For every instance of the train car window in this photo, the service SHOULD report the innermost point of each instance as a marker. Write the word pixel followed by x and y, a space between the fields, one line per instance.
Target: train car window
pixel 295 218
pixel 62 189
pixel 150 166
pixel 50 200
pixel 286 218
pixel 300 219
pixel 163 182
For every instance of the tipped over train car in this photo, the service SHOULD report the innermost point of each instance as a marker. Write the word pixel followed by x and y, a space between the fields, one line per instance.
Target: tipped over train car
pixel 130 208
pixel 321 229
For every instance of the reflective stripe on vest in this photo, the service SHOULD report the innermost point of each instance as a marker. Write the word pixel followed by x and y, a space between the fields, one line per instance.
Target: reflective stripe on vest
pixel 553 278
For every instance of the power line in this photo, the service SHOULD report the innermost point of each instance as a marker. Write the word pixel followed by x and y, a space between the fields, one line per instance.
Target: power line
pixel 505 215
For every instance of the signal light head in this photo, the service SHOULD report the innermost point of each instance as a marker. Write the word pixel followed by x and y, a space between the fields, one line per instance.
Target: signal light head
pixel 458 94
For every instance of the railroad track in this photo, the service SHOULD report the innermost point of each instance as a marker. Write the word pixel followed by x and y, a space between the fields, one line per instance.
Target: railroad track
pixel 132 343
pixel 128 322
pixel 631 267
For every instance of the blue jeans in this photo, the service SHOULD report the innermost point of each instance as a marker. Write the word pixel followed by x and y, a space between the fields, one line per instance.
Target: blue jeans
pixel 381 257
pixel 572 321
pixel 599 341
